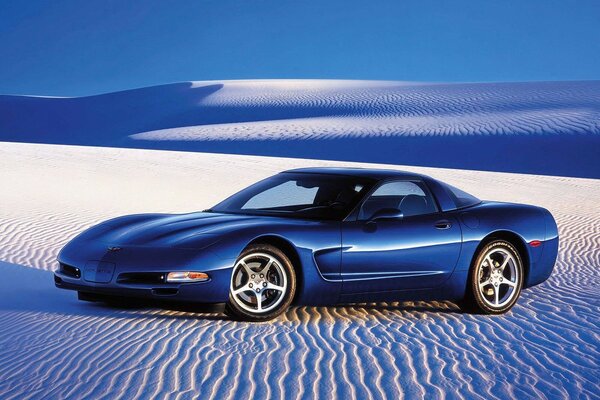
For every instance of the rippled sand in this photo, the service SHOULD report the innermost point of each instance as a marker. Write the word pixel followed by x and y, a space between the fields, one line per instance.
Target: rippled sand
pixel 52 346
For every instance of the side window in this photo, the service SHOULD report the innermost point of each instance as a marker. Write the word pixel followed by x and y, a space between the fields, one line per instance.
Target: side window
pixel 283 195
pixel 411 198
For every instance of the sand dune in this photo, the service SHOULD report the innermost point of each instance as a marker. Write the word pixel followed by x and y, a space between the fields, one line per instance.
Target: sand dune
pixel 52 346
pixel 536 127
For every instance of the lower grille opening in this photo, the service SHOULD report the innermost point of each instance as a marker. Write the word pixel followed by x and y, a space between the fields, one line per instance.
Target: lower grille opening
pixel 141 278
pixel 70 270
pixel 164 292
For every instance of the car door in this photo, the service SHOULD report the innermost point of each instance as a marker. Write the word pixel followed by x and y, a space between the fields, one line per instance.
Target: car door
pixel 417 250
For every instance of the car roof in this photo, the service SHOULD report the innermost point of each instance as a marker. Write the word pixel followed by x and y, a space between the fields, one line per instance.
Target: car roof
pixel 373 173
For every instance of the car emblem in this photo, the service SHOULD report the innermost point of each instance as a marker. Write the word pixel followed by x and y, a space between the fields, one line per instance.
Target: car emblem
pixel 112 248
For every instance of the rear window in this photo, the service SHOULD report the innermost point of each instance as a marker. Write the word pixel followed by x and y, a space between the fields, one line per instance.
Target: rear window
pixel 461 198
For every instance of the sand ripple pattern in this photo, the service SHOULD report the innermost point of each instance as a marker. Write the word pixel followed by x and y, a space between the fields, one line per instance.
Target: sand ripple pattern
pixel 299 110
pixel 52 346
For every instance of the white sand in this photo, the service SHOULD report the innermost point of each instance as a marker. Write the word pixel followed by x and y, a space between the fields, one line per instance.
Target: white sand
pixel 52 346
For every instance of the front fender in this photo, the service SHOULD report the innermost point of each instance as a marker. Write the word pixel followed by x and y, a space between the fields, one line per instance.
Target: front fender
pixel 317 248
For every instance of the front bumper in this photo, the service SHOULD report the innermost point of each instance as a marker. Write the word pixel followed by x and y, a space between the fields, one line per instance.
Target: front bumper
pixel 213 291
pixel 92 267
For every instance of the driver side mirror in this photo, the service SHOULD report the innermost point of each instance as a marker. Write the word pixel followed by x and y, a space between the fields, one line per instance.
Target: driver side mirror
pixel 386 214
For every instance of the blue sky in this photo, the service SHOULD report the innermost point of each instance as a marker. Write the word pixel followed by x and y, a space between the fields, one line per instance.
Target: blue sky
pixel 86 47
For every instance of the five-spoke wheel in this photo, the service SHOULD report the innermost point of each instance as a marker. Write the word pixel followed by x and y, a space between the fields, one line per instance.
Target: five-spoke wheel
pixel 262 283
pixel 496 278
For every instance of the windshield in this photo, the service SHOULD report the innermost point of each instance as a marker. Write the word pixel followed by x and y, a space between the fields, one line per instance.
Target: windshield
pixel 299 195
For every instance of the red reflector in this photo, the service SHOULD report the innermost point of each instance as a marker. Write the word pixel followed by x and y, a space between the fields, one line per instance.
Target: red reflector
pixel 535 243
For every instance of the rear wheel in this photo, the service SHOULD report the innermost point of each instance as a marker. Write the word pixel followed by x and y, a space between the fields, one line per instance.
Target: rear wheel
pixel 263 284
pixel 496 279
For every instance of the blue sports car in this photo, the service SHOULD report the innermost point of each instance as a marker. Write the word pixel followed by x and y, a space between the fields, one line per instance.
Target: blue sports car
pixel 321 236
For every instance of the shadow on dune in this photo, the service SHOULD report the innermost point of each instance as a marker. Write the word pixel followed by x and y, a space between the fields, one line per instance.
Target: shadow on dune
pixel 98 120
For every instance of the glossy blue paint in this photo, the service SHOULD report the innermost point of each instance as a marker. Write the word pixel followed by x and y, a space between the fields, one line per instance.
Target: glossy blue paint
pixel 350 260
pixel 410 253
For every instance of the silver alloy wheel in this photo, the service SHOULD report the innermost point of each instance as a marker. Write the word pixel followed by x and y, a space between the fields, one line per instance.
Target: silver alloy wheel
pixel 258 283
pixel 498 278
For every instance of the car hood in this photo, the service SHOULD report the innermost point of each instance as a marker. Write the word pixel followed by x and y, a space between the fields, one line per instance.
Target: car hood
pixel 202 229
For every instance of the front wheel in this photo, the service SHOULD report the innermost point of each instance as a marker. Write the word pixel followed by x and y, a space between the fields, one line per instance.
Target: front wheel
pixel 496 279
pixel 263 284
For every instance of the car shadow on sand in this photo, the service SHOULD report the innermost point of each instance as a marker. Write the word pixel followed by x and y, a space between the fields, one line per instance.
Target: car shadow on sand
pixel 26 289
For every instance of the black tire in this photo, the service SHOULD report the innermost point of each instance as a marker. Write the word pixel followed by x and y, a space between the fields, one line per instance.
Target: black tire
pixel 493 282
pixel 240 309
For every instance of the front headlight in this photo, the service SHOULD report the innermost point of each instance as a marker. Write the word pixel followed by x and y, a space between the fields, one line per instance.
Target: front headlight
pixel 186 276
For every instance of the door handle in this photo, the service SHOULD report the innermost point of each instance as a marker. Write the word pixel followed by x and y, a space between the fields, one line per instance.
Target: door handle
pixel 444 224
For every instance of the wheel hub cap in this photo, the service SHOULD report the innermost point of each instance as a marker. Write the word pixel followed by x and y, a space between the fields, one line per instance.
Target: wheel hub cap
pixel 498 277
pixel 258 283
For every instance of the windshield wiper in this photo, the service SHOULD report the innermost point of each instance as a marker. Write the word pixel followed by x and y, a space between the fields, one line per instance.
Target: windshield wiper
pixel 322 206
